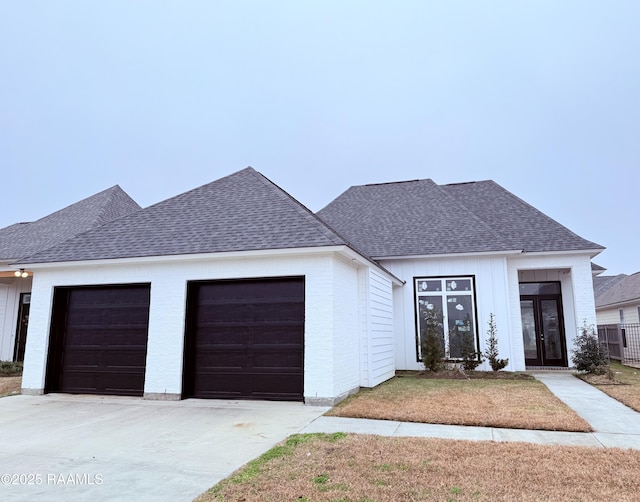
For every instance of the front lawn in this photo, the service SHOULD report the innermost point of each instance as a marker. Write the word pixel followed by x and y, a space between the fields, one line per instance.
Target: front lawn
pixel 626 389
pixel 513 401
pixel 340 467
pixel 10 386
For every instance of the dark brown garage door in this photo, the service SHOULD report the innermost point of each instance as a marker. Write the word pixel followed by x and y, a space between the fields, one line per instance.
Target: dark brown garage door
pixel 99 340
pixel 245 339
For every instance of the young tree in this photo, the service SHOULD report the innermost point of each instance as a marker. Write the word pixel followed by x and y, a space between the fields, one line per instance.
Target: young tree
pixel 491 352
pixel 471 358
pixel 431 341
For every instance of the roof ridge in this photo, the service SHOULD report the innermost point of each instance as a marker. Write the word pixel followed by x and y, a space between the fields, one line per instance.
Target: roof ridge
pixel 103 208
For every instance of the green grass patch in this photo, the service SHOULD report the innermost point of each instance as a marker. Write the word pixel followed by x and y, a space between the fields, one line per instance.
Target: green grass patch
pixel 255 467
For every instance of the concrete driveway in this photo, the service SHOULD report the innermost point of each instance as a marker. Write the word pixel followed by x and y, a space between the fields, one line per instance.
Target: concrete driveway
pixel 68 447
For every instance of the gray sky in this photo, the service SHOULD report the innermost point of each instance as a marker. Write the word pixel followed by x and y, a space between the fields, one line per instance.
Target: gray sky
pixel 161 97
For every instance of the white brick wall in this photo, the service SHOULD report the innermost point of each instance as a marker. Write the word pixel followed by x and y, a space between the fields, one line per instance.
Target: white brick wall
pixel 331 324
pixel 346 343
pixel 574 274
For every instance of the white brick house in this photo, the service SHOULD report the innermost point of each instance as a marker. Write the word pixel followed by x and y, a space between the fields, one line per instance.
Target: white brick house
pixel 235 290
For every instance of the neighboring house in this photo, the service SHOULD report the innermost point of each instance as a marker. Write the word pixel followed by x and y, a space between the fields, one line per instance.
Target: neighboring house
pixel 24 239
pixel 236 290
pixel 617 299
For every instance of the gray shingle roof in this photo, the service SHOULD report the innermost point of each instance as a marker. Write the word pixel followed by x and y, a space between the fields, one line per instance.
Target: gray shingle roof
pixel 240 212
pixel 603 282
pixel 408 218
pixel 519 224
pixel 620 289
pixel 23 239
pixel 421 218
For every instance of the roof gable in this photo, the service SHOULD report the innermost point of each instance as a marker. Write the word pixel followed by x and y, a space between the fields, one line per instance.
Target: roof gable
pixel 422 218
pixel 240 212
pixel 23 239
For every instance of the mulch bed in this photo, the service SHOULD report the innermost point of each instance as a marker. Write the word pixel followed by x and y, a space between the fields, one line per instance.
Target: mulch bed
pixel 457 374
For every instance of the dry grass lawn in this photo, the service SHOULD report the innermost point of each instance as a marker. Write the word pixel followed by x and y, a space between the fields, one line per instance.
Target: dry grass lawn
pixel 509 403
pixel 627 393
pixel 339 467
pixel 10 385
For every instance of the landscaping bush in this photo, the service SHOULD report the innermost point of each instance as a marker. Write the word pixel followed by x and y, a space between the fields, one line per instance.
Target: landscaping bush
pixel 590 356
pixel 431 341
pixel 10 368
pixel 491 353
pixel 471 358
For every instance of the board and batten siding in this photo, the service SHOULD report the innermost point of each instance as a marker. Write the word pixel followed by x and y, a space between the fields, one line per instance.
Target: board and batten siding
pixel 491 296
pixel 377 361
pixel 331 324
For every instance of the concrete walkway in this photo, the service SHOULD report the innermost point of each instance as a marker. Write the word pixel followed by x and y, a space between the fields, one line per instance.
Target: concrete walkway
pixel 615 425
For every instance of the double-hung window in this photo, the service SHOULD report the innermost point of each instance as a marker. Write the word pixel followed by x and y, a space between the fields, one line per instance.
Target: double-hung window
pixel 452 301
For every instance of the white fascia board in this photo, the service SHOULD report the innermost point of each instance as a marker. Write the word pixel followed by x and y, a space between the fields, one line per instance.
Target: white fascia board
pixel 450 255
pixel 573 252
pixel 357 258
pixel 230 255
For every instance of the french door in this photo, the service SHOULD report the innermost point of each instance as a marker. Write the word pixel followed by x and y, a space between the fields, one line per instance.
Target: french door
pixel 543 330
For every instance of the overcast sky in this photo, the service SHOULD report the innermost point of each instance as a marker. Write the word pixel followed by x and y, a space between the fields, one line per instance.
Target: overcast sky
pixel 160 97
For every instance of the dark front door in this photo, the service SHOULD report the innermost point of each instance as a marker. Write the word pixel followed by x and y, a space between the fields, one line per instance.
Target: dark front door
pixel 543 330
pixel 245 339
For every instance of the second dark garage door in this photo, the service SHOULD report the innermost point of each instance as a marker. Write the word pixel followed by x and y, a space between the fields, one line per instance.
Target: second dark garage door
pixel 245 339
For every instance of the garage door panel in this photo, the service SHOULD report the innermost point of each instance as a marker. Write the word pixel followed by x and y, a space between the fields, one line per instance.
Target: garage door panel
pixel 98 358
pixel 92 382
pixel 92 336
pixel 245 339
pixel 249 386
pixel 218 359
pixel 250 312
pixel 99 340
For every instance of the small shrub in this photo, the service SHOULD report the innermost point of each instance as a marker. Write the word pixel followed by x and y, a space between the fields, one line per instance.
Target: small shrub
pixel 471 358
pixel 590 356
pixel 431 341
pixel 10 368
pixel 491 352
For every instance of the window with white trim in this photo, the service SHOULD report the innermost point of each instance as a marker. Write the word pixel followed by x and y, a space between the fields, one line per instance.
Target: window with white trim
pixel 621 312
pixel 453 300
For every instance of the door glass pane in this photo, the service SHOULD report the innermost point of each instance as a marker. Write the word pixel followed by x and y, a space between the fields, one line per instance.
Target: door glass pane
pixel 551 329
pixel 528 329
pixel 539 288
pixel 459 315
